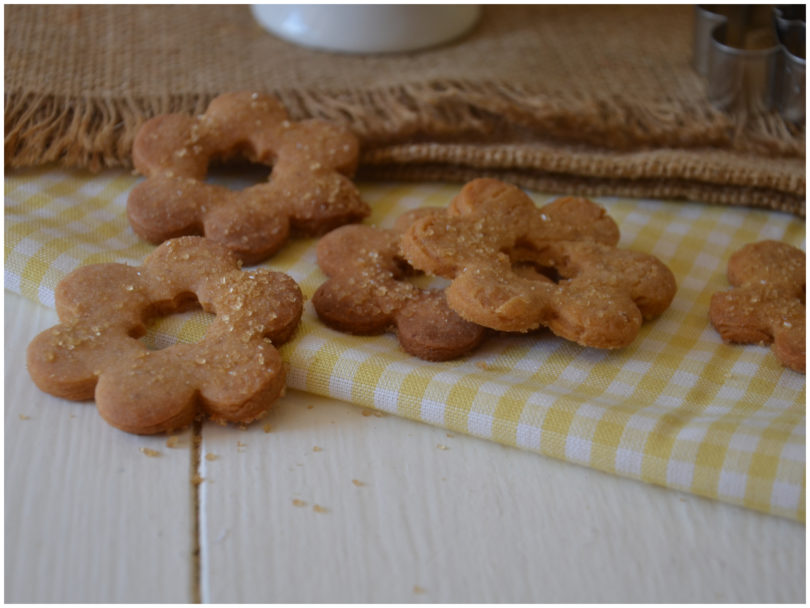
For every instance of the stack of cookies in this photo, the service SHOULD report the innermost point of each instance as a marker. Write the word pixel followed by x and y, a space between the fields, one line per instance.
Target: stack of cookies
pixel 512 267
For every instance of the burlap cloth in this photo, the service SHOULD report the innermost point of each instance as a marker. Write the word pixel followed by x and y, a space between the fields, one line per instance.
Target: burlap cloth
pixel 594 100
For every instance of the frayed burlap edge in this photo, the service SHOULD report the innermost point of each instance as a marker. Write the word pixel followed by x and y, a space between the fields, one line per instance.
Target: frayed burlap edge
pixel 86 133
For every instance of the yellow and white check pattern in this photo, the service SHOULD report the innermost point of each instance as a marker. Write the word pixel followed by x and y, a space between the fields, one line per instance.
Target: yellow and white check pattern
pixel 676 408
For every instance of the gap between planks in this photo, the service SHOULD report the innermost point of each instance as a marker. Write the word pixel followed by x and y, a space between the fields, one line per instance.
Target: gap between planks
pixel 196 460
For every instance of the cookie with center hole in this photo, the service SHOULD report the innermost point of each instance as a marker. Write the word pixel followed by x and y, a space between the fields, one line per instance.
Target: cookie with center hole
pixel 309 190
pixel 369 291
pixel 515 267
pixel 234 374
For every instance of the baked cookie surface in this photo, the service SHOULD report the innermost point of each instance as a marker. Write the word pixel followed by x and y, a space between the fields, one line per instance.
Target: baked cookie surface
pixel 368 292
pixel 767 302
pixel 515 267
pixel 309 190
pixel 234 374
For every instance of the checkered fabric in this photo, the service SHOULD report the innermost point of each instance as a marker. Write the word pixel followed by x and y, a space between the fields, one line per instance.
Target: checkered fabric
pixel 677 408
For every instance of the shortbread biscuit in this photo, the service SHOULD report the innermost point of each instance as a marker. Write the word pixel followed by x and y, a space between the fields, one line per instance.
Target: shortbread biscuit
pixel 767 303
pixel 368 292
pixel 515 267
pixel 234 374
pixel 309 190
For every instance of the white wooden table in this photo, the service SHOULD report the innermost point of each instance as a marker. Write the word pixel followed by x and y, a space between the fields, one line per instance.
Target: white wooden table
pixel 332 503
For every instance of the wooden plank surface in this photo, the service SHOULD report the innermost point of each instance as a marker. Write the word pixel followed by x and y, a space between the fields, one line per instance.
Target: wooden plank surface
pixel 438 518
pixel 336 504
pixel 89 517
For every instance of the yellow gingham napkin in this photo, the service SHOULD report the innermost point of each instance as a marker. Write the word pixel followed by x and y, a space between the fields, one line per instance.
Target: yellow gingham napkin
pixel 676 408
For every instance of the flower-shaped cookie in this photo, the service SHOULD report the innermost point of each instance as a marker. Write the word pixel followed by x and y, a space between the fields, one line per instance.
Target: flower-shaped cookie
pixel 368 292
pixel 234 374
pixel 515 267
pixel 308 191
pixel 767 304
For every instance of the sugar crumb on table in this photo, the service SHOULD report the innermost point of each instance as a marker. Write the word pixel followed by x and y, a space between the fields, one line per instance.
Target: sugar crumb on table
pixel 375 413
pixel 150 452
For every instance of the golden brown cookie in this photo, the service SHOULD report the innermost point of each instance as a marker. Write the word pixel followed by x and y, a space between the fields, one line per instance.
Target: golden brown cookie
pixel 234 374
pixel 309 190
pixel 515 267
pixel 368 292
pixel 767 304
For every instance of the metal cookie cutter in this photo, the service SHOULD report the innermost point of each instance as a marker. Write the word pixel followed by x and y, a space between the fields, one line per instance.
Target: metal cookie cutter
pixel 753 57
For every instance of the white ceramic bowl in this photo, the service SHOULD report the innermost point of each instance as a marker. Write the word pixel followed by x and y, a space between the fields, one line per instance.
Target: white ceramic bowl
pixel 367 28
